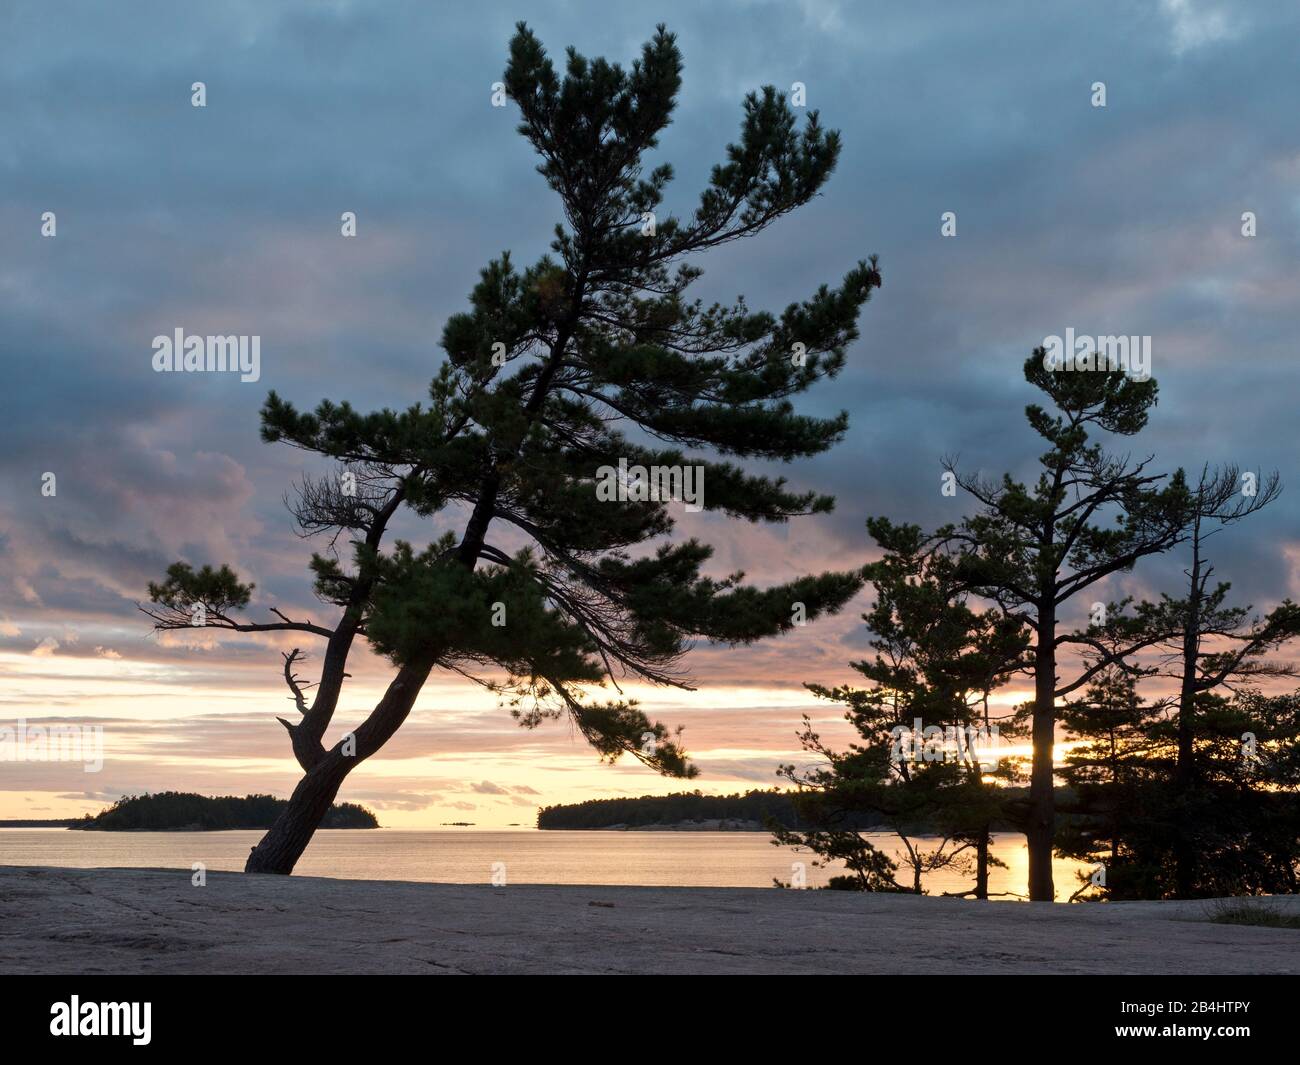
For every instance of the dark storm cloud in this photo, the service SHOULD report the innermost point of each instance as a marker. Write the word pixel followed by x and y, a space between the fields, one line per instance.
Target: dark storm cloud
pixel 225 219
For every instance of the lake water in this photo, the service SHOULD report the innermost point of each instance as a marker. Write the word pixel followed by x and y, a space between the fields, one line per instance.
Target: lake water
pixel 467 856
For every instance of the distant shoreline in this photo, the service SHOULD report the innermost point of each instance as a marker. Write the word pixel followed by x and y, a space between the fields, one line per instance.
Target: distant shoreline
pixel 183 811
pixel 693 811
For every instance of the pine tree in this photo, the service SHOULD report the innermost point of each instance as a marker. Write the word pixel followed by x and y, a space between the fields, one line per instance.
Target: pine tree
pixel 937 661
pixel 1190 779
pixel 1120 748
pixel 1240 821
pixel 1032 550
pixel 525 426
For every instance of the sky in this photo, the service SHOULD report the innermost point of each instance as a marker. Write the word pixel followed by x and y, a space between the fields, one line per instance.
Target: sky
pixel 1123 219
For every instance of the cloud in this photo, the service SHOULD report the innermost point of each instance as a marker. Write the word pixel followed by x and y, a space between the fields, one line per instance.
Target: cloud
pixel 1194 24
pixel 1122 219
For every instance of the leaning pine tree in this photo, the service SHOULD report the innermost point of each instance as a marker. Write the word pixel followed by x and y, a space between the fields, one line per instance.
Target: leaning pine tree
pixel 525 419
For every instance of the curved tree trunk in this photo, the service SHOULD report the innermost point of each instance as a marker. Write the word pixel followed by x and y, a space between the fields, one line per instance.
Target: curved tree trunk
pixel 282 846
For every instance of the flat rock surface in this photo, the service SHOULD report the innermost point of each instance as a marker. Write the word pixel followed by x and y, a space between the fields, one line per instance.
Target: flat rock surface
pixel 153 921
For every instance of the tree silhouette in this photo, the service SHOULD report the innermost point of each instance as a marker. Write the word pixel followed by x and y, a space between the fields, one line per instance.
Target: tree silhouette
pixel 1117 753
pixel 937 661
pixel 1033 549
pixel 527 413
pixel 1215 644
pixel 1192 779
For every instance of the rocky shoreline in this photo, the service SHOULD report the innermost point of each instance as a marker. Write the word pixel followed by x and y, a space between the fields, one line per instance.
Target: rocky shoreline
pixel 123 921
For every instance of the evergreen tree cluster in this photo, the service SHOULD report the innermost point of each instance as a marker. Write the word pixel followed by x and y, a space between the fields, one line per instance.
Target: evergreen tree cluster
pixel 1194 792
pixel 170 811
pixel 760 807
pixel 522 573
